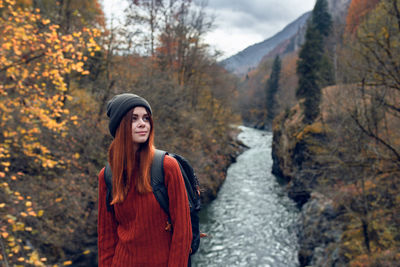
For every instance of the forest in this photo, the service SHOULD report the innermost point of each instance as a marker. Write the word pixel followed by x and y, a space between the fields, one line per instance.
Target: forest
pixel 331 99
pixel 337 143
pixel 59 65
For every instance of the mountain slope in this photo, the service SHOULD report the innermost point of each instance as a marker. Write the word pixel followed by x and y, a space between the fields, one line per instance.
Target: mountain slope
pixel 252 55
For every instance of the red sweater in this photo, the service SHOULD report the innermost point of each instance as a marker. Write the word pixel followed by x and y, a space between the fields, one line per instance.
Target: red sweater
pixel 135 235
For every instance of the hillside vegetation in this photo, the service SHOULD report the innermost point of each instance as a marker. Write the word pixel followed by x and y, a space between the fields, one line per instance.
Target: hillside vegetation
pixel 343 168
pixel 59 65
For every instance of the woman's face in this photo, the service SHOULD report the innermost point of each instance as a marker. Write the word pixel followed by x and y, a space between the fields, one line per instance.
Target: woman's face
pixel 140 125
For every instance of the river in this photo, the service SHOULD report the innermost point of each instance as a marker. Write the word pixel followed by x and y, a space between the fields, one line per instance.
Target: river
pixel 252 222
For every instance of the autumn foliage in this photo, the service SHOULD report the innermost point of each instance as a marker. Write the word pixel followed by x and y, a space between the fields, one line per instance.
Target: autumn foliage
pixel 351 154
pixel 358 9
pixel 34 60
pixel 58 68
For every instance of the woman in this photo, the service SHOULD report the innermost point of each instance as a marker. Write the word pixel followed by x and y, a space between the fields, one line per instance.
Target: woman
pixel 136 232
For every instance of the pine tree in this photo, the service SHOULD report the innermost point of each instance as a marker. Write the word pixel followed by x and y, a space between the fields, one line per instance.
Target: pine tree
pixel 307 69
pixel 272 88
pixel 321 18
pixel 313 67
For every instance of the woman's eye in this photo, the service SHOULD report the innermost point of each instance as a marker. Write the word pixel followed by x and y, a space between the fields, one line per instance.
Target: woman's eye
pixel 146 119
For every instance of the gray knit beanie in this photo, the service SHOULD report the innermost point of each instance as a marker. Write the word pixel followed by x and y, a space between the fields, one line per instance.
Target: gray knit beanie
pixel 119 105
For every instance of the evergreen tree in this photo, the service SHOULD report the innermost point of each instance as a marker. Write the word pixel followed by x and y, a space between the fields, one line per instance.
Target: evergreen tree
pixel 271 88
pixel 321 18
pixel 313 67
pixel 307 69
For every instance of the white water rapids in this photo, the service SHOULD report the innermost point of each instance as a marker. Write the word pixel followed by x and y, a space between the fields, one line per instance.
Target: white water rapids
pixel 252 222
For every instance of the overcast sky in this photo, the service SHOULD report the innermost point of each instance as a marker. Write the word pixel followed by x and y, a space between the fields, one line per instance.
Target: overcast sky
pixel 241 23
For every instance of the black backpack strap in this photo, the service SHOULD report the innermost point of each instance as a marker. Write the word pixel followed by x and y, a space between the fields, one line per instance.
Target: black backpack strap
pixel 185 170
pixel 157 180
pixel 108 180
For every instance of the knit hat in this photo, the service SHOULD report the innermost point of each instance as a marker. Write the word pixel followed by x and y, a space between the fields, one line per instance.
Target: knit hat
pixel 119 105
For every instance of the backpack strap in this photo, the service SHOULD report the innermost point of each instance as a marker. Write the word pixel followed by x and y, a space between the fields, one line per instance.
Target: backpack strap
pixel 186 169
pixel 157 180
pixel 108 180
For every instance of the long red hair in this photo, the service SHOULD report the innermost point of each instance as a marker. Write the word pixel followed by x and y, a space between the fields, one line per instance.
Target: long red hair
pixel 126 165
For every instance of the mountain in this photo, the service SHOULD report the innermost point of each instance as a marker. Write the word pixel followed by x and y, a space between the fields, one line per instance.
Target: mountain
pixel 249 58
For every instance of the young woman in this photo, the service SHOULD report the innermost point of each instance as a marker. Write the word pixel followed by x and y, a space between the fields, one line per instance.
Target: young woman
pixel 137 232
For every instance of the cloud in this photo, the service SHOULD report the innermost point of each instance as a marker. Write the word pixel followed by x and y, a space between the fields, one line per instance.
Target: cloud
pixel 264 10
pixel 239 24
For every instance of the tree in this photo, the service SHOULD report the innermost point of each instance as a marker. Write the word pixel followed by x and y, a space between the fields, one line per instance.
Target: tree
pixel 365 140
pixel 376 56
pixel 321 18
pixel 313 67
pixel 71 15
pixel 181 41
pixel 272 88
pixel 307 69
pixel 148 13
pixel 34 58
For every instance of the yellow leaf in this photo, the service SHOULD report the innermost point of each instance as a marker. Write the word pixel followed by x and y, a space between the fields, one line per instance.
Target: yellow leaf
pixel 6 46
pixel 23 214
pixel 58 199
pixel 67 263
pixel 2 205
pixel 86 252
pixel 32 213
pixel 40 213
pixel 16 249
pixel 17 51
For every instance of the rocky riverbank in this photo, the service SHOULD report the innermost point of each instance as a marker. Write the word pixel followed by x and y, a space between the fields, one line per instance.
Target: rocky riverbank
pixel 295 148
pixel 212 180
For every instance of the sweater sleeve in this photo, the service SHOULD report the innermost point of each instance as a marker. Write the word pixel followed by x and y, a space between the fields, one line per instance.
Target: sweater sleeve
pixel 106 227
pixel 180 214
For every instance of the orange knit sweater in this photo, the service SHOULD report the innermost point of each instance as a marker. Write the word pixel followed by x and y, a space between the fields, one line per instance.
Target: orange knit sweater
pixel 135 235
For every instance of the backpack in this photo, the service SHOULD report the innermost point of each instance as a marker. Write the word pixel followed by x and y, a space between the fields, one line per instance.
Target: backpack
pixel 160 191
